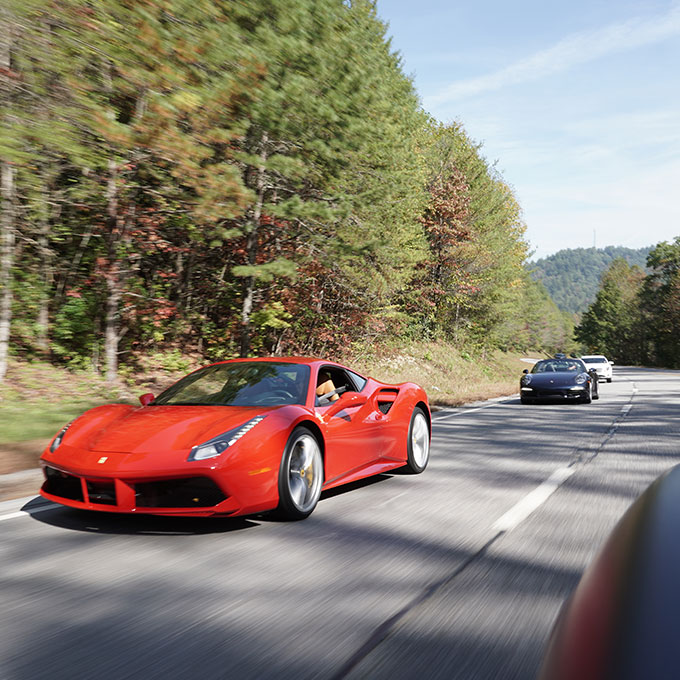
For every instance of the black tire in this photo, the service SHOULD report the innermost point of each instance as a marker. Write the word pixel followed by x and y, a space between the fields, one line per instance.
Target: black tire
pixel 588 397
pixel 300 475
pixel 418 442
pixel 609 379
pixel 526 401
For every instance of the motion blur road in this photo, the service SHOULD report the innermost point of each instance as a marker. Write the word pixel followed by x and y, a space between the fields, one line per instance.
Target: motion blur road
pixel 456 573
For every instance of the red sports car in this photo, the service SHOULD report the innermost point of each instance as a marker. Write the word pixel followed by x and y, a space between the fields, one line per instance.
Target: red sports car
pixel 239 437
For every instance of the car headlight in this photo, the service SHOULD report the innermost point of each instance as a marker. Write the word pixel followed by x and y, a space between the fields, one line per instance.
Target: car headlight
pixel 580 378
pixel 217 445
pixel 56 442
pixel 526 379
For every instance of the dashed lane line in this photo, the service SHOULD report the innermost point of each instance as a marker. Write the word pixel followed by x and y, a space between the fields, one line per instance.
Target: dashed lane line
pixel 534 499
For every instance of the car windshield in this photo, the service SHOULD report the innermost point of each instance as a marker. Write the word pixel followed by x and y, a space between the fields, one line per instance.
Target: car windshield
pixel 595 360
pixel 241 383
pixel 559 366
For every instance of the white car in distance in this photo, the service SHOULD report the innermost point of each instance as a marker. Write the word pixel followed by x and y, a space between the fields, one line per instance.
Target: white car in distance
pixel 601 364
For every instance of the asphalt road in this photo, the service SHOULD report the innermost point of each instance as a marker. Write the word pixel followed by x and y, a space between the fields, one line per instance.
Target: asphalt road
pixel 455 573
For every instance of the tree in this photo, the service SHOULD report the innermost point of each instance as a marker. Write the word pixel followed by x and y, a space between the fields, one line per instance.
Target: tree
pixel 611 324
pixel 329 151
pixel 660 304
pixel 475 232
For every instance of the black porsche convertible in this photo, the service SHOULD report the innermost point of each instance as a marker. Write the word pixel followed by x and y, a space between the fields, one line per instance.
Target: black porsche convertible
pixel 558 379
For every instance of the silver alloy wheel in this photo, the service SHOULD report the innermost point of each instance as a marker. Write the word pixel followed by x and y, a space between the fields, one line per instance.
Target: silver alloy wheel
pixel 305 472
pixel 420 439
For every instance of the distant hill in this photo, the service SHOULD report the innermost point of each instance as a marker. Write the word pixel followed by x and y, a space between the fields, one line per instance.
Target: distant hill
pixel 572 276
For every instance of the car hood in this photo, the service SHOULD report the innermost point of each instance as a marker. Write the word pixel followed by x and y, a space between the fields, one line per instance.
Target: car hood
pixel 548 379
pixel 128 429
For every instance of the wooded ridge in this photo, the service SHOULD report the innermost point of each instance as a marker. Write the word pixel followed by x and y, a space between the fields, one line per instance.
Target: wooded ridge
pixel 572 275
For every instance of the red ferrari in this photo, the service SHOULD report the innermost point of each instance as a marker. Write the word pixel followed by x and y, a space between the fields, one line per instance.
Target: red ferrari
pixel 239 437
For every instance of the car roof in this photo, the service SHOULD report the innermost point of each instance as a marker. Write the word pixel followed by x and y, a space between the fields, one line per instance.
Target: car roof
pixel 592 356
pixel 277 360
pixel 307 361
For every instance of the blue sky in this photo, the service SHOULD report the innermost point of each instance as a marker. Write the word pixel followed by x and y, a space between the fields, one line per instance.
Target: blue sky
pixel 578 102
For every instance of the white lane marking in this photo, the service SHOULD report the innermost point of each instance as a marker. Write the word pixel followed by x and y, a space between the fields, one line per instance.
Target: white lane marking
pixel 626 408
pixel 470 410
pixel 519 512
pixel 13 515
pixel 24 513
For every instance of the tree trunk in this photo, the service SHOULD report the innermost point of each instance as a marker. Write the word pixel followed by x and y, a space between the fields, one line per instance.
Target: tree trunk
pixel 47 265
pixel 7 241
pixel 248 286
pixel 119 229
pixel 7 216
pixel 112 332
pixel 113 284
pixel 248 290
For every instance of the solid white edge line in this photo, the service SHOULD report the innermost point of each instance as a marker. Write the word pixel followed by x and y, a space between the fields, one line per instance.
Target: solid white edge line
pixel 13 515
pixel 471 410
pixel 23 513
pixel 520 511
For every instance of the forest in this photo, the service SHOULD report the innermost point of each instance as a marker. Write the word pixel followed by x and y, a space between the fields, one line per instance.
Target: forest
pixel 241 178
pixel 572 275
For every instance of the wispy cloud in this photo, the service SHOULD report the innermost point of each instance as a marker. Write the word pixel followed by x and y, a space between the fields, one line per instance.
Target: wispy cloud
pixel 633 210
pixel 575 49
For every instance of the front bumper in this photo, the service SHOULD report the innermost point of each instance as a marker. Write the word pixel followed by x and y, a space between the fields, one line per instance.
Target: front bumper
pixel 556 393
pixel 131 483
pixel 195 495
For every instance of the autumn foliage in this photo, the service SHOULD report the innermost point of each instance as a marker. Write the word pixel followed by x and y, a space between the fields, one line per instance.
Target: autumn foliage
pixel 239 178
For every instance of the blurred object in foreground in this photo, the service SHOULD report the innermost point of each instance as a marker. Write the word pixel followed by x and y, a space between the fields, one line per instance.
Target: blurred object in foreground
pixel 622 620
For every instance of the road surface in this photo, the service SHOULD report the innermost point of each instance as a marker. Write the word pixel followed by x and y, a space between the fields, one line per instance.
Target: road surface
pixel 455 573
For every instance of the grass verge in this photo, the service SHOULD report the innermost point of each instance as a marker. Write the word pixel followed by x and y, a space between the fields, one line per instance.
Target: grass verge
pixel 449 377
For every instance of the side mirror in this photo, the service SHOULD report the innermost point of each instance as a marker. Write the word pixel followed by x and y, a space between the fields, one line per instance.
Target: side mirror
pixel 347 400
pixel 526 370
pixel 146 399
pixel 611 363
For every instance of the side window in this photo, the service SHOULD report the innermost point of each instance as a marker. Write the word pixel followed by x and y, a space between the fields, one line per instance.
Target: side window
pixel 329 379
pixel 359 382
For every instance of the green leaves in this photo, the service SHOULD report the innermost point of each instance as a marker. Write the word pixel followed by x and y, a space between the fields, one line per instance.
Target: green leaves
pixel 253 175
pixel 279 268
pixel 612 324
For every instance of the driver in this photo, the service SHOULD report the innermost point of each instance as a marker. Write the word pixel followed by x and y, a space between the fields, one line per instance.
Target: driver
pixel 324 385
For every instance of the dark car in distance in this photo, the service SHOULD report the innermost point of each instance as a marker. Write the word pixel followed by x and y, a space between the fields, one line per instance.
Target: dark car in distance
pixel 558 379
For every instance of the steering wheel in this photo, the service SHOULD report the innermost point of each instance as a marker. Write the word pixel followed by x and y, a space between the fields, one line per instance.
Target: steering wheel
pixel 325 398
pixel 274 397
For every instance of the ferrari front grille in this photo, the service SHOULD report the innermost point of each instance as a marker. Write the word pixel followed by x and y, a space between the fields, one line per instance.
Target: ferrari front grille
pixel 103 493
pixel 61 484
pixel 191 492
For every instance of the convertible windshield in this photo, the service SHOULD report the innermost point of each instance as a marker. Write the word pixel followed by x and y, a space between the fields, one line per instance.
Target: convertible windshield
pixel 559 366
pixel 242 383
